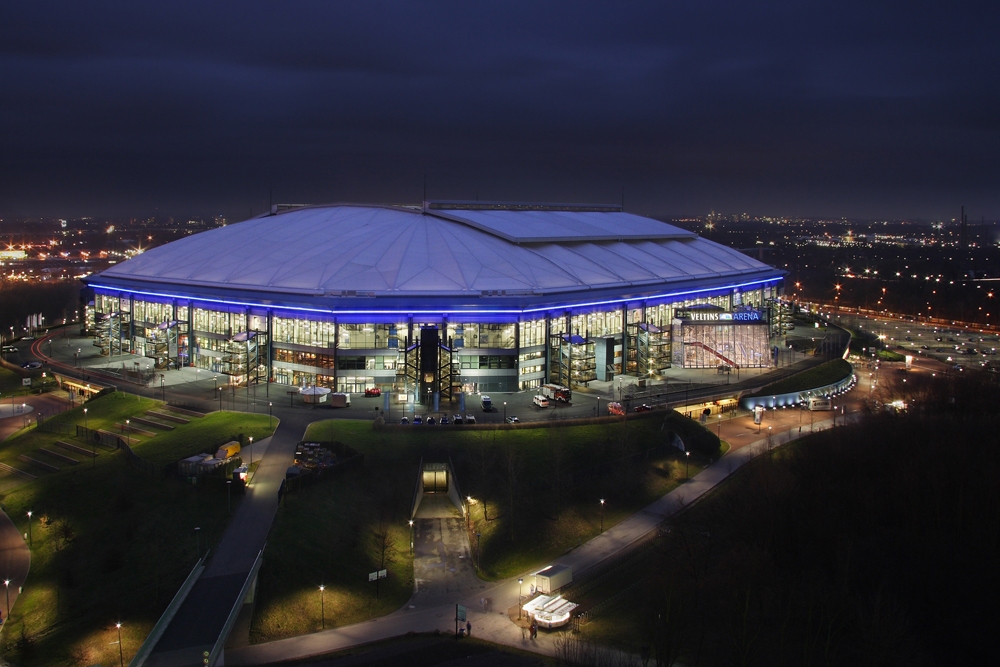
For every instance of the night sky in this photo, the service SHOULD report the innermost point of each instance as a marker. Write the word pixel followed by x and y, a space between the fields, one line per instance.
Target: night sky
pixel 859 109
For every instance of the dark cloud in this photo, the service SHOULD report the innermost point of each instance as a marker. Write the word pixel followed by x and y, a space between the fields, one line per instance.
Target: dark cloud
pixel 795 107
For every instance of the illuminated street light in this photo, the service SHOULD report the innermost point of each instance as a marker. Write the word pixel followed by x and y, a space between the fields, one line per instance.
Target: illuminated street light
pixel 121 654
pixel 519 582
pixel 602 515
pixel 322 607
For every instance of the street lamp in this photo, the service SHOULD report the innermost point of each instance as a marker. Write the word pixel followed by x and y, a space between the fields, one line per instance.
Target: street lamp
pixel 93 444
pixel 411 536
pixel 121 654
pixel 505 411
pixel 251 450
pixel 270 420
pixel 687 465
pixel 322 607
pixel 720 425
pixel 602 515
pixel 128 431
pixel 519 582
pixel 220 398
pixel 215 379
pixel 6 583
pixel 29 529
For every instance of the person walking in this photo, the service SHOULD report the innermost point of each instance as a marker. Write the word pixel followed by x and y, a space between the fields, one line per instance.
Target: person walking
pixel 468 628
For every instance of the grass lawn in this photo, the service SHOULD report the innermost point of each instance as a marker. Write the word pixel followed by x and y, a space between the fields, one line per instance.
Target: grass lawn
pixel 10 383
pixel 109 543
pixel 819 376
pixel 324 533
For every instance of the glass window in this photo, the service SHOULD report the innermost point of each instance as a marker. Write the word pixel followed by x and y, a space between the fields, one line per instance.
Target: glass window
pixel 532 333
pixel 315 333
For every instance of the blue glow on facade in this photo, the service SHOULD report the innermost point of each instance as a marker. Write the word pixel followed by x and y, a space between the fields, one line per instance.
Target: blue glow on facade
pixel 470 311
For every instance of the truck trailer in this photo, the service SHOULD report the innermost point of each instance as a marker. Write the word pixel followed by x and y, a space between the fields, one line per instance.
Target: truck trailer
pixel 553 577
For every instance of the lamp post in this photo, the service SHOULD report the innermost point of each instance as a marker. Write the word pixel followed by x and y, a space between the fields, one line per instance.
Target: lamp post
pixel 322 607
pixel 505 411
pixel 270 419
pixel 128 431
pixel 121 654
pixel 215 379
pixel 687 465
pixel 163 392
pixel 6 583
pixel 720 425
pixel 519 582
pixel 602 515
pixel 251 450
pixel 220 398
pixel 197 541
pixel 411 536
pixel 768 440
pixel 29 529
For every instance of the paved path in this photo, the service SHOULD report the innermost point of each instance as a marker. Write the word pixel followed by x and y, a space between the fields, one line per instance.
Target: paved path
pixel 494 624
pixel 201 618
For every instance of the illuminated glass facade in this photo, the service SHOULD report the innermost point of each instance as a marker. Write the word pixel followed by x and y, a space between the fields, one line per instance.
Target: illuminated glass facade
pixel 510 351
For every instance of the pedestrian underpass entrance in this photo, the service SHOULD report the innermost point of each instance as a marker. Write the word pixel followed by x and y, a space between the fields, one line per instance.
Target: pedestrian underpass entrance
pixel 435 478
pixel 443 566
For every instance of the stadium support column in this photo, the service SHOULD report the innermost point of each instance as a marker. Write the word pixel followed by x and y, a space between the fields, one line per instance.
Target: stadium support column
pixel 192 347
pixel 548 348
pixel 624 333
pixel 131 322
pixel 336 349
pixel 270 354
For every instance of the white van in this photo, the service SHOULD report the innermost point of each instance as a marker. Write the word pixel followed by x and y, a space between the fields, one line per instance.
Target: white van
pixel 540 401
pixel 820 404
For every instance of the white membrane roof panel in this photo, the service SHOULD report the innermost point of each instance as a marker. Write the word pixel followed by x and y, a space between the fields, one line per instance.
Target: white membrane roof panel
pixel 563 226
pixel 395 251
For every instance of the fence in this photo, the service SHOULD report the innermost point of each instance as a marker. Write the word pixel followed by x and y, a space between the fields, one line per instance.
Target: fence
pixel 112 441
pixel 139 463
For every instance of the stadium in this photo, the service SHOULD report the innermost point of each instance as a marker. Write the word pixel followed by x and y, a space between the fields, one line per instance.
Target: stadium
pixel 438 299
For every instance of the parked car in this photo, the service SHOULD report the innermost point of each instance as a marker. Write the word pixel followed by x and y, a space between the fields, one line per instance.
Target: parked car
pixel 457 419
pixel 470 419
pixel 487 404
pixel 431 421
pixel 417 419
pixel 642 408
pixel 444 420
pixel 373 391
pixel 513 420
pixel 31 364
pixel 404 420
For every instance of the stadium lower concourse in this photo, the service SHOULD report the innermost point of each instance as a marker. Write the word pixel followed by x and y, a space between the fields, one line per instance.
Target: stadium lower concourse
pixel 438 299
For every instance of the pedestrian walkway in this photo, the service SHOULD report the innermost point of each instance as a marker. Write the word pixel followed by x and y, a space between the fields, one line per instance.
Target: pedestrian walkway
pixel 493 624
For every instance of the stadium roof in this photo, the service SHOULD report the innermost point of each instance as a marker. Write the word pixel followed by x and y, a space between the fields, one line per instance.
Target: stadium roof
pixel 465 249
